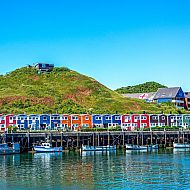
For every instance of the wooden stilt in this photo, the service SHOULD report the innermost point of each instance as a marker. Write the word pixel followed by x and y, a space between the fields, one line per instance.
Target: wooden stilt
pixel 142 139
pixel 123 138
pixel 108 138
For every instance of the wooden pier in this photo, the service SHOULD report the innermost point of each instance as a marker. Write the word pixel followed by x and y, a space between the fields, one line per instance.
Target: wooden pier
pixel 74 140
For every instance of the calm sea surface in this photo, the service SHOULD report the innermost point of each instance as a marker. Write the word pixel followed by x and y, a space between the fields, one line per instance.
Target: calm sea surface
pixel 113 170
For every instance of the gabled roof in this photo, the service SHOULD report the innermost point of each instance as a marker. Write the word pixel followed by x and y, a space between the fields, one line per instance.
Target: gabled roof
pixel 166 93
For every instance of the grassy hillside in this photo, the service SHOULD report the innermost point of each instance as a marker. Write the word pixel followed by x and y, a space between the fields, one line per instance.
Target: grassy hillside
pixel 145 87
pixel 63 91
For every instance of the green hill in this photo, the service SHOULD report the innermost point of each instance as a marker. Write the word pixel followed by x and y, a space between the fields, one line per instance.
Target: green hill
pixel 63 91
pixel 145 87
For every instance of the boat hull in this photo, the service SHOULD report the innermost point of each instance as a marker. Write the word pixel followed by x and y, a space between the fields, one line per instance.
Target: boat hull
pixel 135 147
pixel 153 147
pixel 98 148
pixel 5 149
pixel 138 147
pixel 44 149
pixel 6 152
pixel 179 145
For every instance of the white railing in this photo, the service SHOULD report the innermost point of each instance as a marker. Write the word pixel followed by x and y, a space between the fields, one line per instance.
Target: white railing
pixel 178 101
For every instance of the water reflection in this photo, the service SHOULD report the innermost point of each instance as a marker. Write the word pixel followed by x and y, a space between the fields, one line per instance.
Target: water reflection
pixel 96 170
pixel 46 157
pixel 96 153
pixel 10 159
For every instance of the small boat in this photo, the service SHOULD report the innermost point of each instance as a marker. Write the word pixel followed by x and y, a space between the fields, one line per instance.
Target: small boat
pixel 5 149
pixel 181 145
pixel 98 148
pixel 153 147
pixel 46 147
pixel 135 147
pixel 176 150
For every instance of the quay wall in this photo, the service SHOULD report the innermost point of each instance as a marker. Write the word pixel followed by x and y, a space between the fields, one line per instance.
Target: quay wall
pixel 74 140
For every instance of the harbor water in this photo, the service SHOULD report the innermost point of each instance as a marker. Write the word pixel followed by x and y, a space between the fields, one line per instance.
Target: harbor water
pixel 161 169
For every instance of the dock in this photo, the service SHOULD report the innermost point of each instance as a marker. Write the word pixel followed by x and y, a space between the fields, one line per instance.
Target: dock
pixel 74 140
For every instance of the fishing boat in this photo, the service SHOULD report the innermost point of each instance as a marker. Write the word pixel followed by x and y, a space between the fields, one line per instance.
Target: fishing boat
pixel 46 147
pixel 181 145
pixel 135 147
pixel 153 147
pixel 138 147
pixel 13 149
pixel 177 150
pixel 98 148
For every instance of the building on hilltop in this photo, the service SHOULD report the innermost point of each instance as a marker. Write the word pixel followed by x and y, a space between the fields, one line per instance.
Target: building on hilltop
pixel 174 95
pixel 44 67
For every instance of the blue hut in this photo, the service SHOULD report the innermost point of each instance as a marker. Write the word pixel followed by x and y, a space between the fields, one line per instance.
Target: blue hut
pixel 34 122
pixel 45 121
pixel 116 120
pixel 55 122
pixel 22 121
pixel 107 120
pixel 97 120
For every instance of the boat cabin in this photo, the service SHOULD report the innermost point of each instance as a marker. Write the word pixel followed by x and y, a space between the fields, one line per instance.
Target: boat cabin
pixel 46 145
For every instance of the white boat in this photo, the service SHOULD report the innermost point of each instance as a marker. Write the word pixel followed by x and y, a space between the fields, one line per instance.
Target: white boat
pixel 177 150
pixel 153 147
pixel 135 147
pixel 98 148
pixel 138 147
pixel 46 147
pixel 181 145
pixel 5 149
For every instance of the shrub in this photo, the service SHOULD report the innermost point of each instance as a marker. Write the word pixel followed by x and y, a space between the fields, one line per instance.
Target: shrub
pixel 61 69
pixel 12 129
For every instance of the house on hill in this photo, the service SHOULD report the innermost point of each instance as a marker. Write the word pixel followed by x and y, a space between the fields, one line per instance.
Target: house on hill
pixel 44 67
pixel 174 95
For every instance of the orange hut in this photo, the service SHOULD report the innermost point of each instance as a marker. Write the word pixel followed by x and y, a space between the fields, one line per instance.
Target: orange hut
pixel 86 121
pixel 66 121
pixel 76 122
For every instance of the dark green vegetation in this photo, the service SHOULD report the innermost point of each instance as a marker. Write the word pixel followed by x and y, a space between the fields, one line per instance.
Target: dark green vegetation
pixel 64 91
pixel 118 128
pixel 145 87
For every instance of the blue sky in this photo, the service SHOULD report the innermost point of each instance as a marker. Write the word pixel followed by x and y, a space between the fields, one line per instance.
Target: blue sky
pixel 117 42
